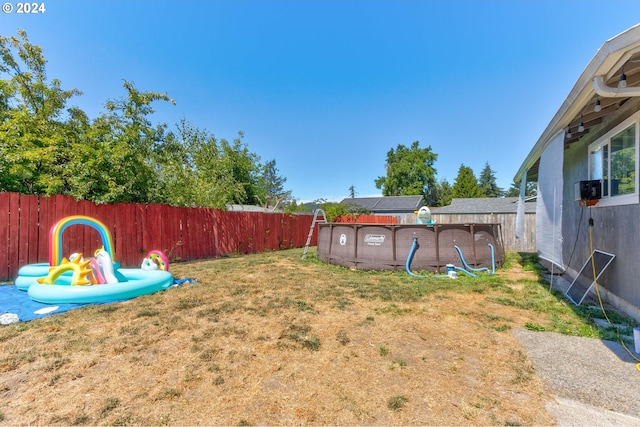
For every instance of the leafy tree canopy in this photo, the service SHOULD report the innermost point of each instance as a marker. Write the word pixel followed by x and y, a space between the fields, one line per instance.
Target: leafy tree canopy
pixel 122 155
pixel 34 146
pixel 410 171
pixel 440 194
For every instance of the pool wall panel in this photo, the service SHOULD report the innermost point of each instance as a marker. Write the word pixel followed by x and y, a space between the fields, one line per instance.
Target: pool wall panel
pixel 387 247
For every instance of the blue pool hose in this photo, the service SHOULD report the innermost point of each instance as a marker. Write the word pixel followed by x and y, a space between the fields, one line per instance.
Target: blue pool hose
pixel 412 251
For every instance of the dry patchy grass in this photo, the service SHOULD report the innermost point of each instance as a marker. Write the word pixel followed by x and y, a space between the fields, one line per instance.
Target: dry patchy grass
pixel 271 339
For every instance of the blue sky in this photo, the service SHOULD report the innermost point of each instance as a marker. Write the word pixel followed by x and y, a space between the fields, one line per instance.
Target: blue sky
pixel 326 88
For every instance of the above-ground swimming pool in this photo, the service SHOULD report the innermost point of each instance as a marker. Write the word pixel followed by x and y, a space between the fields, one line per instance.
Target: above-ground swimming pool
pixel 386 247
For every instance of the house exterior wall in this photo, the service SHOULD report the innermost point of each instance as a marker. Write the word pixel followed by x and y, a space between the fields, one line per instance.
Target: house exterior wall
pixel 616 229
pixel 508 221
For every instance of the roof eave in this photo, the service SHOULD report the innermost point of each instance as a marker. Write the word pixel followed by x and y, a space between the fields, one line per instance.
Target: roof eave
pixel 606 59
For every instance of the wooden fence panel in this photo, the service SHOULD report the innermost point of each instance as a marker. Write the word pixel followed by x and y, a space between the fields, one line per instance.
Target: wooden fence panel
pixel 47 219
pixel 182 233
pixel 153 229
pixel 218 235
pixel 508 226
pixel 170 239
pixel 285 232
pixel 14 227
pixel 207 216
pixel 227 233
pixel 275 232
pixel 245 232
pixel 193 237
pixel 4 235
pixel 34 232
pixel 140 215
pixel 28 215
pixel 186 235
pixel 124 233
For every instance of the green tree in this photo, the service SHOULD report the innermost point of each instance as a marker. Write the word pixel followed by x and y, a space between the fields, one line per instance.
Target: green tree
pixel 292 206
pixel 123 150
pixel 177 172
pixel 244 168
pixel 35 138
pixel 121 156
pixel 222 172
pixel 487 182
pixel 215 178
pixel 197 169
pixel 410 171
pixel 440 194
pixel 466 185
pixel 514 190
pixel 271 186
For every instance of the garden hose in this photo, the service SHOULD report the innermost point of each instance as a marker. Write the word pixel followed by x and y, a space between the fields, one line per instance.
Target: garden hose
pixel 593 271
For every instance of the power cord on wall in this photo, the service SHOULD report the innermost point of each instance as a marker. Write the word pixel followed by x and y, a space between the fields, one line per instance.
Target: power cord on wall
pixel 595 280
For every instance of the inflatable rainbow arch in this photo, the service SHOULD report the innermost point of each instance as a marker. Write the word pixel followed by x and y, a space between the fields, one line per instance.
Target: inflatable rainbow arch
pixel 64 281
pixel 55 236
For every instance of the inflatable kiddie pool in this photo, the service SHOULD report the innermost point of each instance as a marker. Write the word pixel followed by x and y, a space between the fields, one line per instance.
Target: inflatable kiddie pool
pixel 132 282
pixel 92 280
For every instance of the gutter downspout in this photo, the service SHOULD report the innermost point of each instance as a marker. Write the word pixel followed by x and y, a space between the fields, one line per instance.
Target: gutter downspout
pixel 613 92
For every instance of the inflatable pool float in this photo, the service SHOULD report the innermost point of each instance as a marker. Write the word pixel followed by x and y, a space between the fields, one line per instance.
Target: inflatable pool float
pixel 29 273
pixel 90 280
pixel 132 282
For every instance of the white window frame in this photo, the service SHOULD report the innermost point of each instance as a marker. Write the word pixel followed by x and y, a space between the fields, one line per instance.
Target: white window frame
pixel 626 199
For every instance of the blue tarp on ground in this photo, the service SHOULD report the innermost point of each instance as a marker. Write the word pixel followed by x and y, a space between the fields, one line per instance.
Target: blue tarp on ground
pixel 13 300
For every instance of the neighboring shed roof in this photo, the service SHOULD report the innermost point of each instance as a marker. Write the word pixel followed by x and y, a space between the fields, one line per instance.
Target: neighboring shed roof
pixel 386 203
pixel 495 205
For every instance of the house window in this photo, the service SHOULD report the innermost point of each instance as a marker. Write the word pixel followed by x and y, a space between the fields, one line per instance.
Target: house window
pixel 614 160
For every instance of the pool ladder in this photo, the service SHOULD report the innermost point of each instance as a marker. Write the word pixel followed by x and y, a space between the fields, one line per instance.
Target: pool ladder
pixel 313 226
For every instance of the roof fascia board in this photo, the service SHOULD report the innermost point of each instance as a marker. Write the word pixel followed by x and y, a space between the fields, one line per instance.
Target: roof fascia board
pixel 603 63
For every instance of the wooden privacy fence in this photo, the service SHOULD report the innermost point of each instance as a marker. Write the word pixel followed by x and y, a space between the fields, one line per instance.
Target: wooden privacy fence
pixel 182 233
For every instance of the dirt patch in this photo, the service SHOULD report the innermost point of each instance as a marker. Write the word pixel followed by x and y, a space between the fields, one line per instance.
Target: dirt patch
pixel 268 339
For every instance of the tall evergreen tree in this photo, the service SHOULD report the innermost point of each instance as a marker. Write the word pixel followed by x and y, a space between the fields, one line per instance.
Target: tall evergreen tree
pixel 514 190
pixel 487 182
pixel 272 192
pixel 466 185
